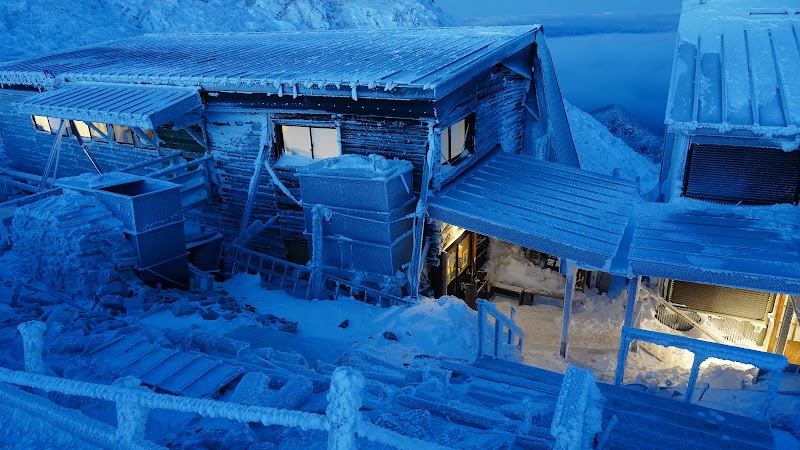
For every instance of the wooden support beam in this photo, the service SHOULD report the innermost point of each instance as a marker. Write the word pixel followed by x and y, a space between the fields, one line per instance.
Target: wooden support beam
pixel 142 135
pixel 268 141
pixel 633 296
pixel 569 291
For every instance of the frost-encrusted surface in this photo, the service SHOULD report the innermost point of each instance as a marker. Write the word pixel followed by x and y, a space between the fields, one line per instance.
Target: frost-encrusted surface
pixel 735 67
pixel 579 411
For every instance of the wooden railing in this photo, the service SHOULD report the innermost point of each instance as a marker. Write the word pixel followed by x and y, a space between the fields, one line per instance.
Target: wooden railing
pixel 514 334
pixel 702 351
pixel 194 176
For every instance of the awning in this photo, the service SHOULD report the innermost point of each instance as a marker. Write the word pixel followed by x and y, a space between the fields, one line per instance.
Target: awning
pixel 145 107
pixel 738 246
pixel 556 209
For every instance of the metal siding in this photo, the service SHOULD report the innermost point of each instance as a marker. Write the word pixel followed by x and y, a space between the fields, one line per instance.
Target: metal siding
pixel 740 174
pixel 721 300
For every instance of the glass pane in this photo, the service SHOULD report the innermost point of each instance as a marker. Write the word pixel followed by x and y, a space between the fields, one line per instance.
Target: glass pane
pixel 123 134
pixel 102 127
pixel 326 143
pixel 451 265
pixel 296 140
pixel 458 133
pixel 445 144
pixel 83 129
pixel 54 124
pixel 41 123
pixel 463 254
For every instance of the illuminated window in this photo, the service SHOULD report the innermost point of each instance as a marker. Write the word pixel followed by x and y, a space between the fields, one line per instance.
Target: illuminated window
pixel 83 129
pixel 55 123
pixel 41 123
pixel 102 128
pixel 457 139
pixel 310 142
pixel 123 134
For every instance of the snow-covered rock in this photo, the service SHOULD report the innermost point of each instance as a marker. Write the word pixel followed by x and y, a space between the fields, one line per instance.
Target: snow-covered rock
pixel 622 124
pixel 34 27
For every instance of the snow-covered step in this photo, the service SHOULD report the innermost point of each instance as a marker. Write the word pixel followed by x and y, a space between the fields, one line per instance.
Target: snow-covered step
pixel 214 380
pixel 116 346
pixel 129 356
pixel 147 362
pixel 187 375
pixel 166 369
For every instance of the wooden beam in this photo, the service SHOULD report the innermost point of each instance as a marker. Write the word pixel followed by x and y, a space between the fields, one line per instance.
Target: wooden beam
pixel 261 161
pixel 569 291
pixel 633 296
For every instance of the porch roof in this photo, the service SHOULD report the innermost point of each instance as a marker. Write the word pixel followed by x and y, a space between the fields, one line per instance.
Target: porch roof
pixel 746 247
pixel 560 210
pixel 145 107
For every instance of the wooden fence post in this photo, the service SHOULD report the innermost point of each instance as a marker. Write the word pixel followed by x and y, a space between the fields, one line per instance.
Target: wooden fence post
pixel 131 417
pixel 33 343
pixel 344 403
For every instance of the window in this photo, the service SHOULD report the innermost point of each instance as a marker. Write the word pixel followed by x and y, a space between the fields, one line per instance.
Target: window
pixel 83 129
pixel 41 123
pixel 458 139
pixel 102 128
pixel 123 134
pixel 310 142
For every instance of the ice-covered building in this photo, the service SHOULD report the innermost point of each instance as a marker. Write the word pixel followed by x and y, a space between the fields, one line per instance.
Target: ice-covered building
pixel 235 118
pixel 731 170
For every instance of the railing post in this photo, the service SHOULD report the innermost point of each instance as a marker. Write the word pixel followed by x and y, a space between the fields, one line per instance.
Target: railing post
pixel 498 325
pixel 622 357
pixel 318 213
pixel 344 403
pixel 569 291
pixel 33 343
pixel 481 320
pixel 131 417
pixel 698 359
pixel 633 294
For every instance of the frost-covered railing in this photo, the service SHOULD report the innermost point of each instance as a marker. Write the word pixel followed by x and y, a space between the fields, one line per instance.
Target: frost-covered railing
pixel 514 334
pixel 297 279
pixel 194 176
pixel 342 421
pixel 579 411
pixel 702 351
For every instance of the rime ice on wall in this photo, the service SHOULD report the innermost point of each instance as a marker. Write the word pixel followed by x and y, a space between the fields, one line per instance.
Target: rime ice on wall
pixel 72 244
pixel 579 411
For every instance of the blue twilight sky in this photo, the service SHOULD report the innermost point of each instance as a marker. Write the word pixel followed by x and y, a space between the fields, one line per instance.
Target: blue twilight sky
pixel 605 51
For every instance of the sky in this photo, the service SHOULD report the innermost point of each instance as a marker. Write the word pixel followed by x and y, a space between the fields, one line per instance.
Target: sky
pixel 478 8
pixel 604 51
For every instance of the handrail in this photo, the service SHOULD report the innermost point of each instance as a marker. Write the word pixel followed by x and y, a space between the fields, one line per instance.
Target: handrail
pixel 704 350
pixel 178 167
pixel 150 162
pixel 370 292
pixel 501 321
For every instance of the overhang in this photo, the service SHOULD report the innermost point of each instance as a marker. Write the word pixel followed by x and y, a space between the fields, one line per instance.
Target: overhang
pixel 560 210
pixel 145 107
pixel 738 246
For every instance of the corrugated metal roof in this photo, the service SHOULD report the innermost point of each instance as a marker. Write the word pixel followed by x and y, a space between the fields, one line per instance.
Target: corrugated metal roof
pixel 747 247
pixel 136 106
pixel 345 62
pixel 736 66
pixel 560 210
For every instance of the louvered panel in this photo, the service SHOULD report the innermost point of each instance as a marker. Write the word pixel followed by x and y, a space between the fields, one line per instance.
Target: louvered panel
pixel 740 174
pixel 720 300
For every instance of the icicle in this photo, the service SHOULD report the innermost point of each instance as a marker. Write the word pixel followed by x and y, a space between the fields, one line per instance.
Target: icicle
pixel 294 90
pixel 353 90
pixel 389 86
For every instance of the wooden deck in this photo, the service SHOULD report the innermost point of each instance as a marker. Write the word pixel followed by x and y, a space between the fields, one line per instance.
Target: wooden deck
pixel 644 420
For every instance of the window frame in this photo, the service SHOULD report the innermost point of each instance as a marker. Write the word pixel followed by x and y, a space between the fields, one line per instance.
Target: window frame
pixel 280 142
pixel 446 155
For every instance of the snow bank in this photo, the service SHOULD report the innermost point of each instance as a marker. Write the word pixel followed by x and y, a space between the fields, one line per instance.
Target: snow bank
pixel 374 167
pixel 507 264
pixel 601 152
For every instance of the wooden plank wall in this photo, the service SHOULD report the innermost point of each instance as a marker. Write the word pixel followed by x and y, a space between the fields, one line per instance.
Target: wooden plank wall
pixel 28 149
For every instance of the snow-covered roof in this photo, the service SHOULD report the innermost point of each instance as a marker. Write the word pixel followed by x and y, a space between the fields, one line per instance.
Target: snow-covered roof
pixel 746 247
pixel 736 66
pixel 428 63
pixel 550 207
pixel 146 107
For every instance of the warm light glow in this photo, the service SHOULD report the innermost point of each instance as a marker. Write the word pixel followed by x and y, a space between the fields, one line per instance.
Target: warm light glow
pixel 311 142
pixel 123 134
pixel 103 128
pixel 41 123
pixel 83 129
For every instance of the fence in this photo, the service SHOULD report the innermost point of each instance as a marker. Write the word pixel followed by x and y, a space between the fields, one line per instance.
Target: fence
pixel 501 321
pixel 342 421
pixel 702 351
pixel 297 279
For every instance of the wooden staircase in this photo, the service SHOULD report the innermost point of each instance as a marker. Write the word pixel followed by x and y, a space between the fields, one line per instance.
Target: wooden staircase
pixel 194 176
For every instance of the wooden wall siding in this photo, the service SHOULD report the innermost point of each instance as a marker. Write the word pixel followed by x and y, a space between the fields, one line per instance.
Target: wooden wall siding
pixel 498 104
pixel 28 149
pixel 235 140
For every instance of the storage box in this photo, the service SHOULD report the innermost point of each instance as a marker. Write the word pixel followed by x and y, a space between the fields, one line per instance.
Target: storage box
pixel 367 226
pixel 143 204
pixel 382 259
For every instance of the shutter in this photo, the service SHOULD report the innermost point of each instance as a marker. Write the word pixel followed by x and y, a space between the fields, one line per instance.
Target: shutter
pixel 742 174
pixel 721 300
